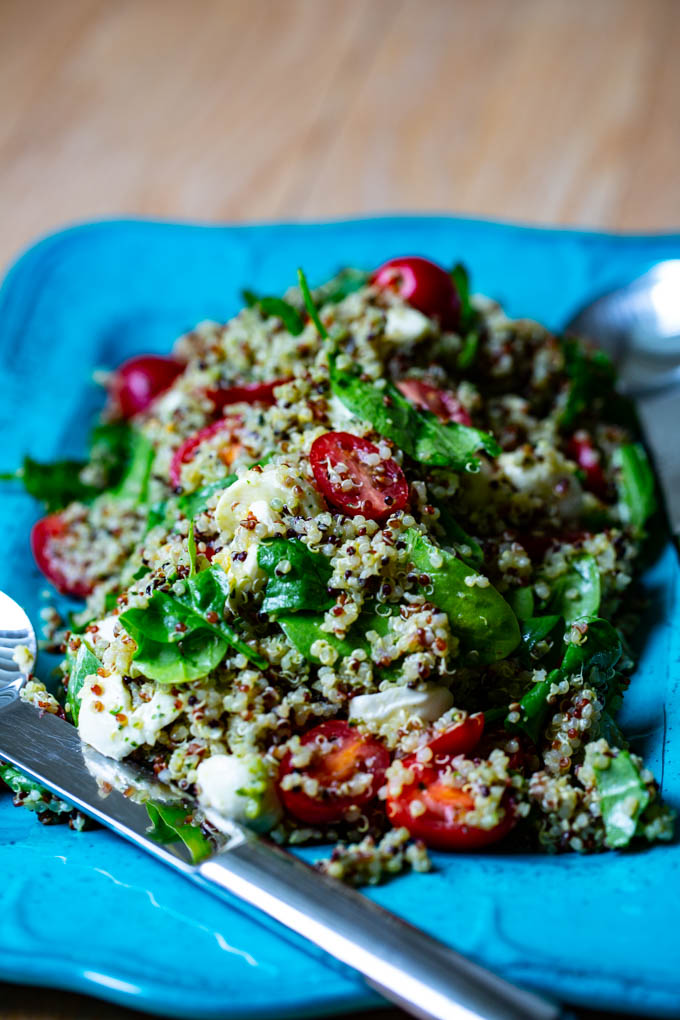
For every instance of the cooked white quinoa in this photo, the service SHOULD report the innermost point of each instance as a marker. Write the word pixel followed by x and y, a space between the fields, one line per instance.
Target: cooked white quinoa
pixel 530 511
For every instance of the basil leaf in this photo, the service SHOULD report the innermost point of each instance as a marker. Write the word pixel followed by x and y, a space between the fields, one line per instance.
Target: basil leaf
pixel 418 433
pixel 56 484
pixel 193 503
pixel 134 484
pixel 636 484
pixel 537 629
pixel 592 376
pixel 304 586
pixel 170 824
pixel 310 306
pixel 623 798
pixel 577 592
pixel 82 663
pixel 32 795
pixel 479 616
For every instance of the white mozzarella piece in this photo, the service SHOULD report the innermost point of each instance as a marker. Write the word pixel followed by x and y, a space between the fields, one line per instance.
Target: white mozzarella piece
pixel 108 722
pixel 238 788
pixel 397 705
pixel 406 325
pixel 252 496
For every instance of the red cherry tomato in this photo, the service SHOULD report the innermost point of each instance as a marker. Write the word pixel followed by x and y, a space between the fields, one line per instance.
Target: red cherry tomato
pixel 377 489
pixel 442 823
pixel 424 284
pixel 137 382
pixel 444 404
pixel 461 738
pixel 47 536
pixel 248 393
pixel 581 449
pixel 341 753
pixel 187 451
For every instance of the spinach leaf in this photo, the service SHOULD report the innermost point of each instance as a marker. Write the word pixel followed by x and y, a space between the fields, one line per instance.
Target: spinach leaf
pixel 592 376
pixel 170 824
pixel 81 664
pixel 637 485
pixel 623 798
pixel 303 629
pixel 175 641
pixel 31 794
pixel 479 616
pixel 468 351
pixel 134 483
pixel 521 601
pixel 311 307
pixel 345 283
pixel 461 281
pixel 56 484
pixel 110 448
pixel 193 552
pixel 536 630
pixel 457 537
pixel 193 503
pixel 304 585
pixel 418 433
pixel 577 592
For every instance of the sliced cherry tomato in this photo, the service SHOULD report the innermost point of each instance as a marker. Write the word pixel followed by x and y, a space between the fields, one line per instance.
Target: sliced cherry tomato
pixel 187 451
pixel 376 490
pixel 581 449
pixel 247 393
pixel 46 537
pixel 461 738
pixel 341 753
pixel 441 824
pixel 137 382
pixel 424 284
pixel 444 404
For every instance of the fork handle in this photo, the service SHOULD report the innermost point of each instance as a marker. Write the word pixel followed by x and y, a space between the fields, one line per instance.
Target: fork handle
pixel 410 968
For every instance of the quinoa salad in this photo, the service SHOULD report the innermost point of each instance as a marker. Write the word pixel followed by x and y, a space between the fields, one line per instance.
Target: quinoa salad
pixel 358 568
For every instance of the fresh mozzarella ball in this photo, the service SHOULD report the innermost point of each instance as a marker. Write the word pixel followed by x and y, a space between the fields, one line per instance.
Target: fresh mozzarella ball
pixel 395 707
pixel 406 325
pixel 544 474
pixel 111 725
pixel 252 496
pixel 238 788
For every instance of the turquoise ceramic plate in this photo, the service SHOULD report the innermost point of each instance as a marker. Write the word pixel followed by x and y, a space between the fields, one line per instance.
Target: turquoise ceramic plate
pixel 88 912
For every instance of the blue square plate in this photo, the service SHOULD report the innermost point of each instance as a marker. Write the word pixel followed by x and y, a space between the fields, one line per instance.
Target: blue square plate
pixel 89 912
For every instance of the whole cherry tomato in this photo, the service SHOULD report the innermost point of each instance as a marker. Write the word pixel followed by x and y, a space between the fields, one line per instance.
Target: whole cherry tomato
pixel 47 538
pixel 137 382
pixel 247 393
pixel 341 754
pixel 424 285
pixel 351 475
pixel 442 403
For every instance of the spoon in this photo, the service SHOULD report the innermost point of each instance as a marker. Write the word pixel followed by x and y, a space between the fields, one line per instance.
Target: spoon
pixel 639 327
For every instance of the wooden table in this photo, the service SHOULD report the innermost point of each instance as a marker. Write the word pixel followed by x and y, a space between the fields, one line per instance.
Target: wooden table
pixel 561 111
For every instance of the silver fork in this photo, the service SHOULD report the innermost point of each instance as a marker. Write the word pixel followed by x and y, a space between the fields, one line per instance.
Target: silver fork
pixel 16 631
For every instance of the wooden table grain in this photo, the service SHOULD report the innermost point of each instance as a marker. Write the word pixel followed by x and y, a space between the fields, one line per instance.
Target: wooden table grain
pixel 557 111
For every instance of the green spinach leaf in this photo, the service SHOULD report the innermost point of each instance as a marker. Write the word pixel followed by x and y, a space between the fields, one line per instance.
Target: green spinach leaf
pixel 347 282
pixel 170 825
pixel 32 795
pixel 577 592
pixel 637 485
pixel 457 537
pixel 479 616
pixel 56 484
pixel 592 376
pixel 536 630
pixel 468 315
pixel 298 578
pixel 81 664
pixel 193 503
pixel 310 306
pixel 304 629
pixel 134 483
pixel 418 433
pixel 623 798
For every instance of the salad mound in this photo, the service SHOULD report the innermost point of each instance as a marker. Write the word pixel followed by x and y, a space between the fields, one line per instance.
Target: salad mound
pixel 355 568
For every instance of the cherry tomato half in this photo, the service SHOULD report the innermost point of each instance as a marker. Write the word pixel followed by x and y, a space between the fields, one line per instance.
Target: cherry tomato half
pixel 340 755
pixel 137 382
pixel 441 824
pixel 580 448
pixel 47 535
pixel 347 473
pixel 247 393
pixel 461 738
pixel 187 451
pixel 424 284
pixel 444 404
